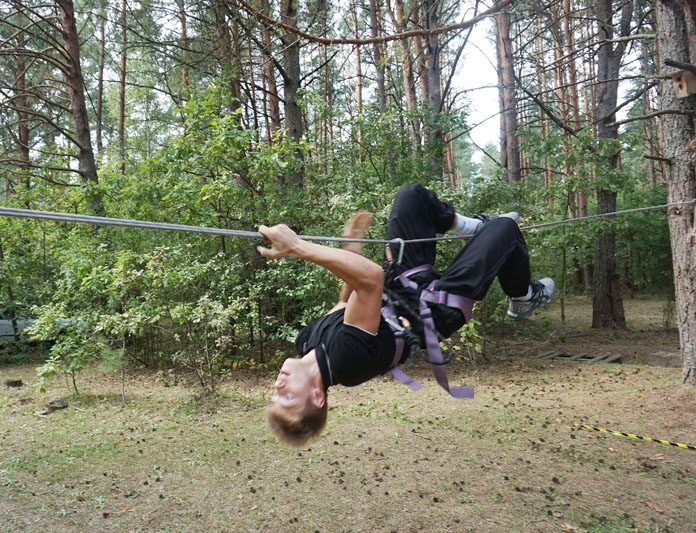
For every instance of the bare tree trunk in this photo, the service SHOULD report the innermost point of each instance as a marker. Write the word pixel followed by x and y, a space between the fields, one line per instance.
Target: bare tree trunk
pixel 409 81
pixel 588 65
pixel 377 55
pixel 509 145
pixel 544 121
pixel 224 51
pixel 183 20
pixel 269 75
pixel 291 77
pixel 100 78
pixel 647 52
pixel 76 89
pixel 607 302
pixel 358 70
pixel 421 58
pixel 561 85
pixel 237 67
pixel 21 107
pixel 676 22
pixel 291 59
pixel 570 52
pixel 122 89
pixel 435 132
pixel 322 121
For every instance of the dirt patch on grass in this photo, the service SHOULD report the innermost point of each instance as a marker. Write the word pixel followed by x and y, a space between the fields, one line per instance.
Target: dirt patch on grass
pixel 512 459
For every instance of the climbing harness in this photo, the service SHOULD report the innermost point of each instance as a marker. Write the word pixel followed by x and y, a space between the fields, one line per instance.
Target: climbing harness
pixel 429 295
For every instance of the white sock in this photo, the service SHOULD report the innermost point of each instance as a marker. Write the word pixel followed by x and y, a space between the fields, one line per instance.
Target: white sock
pixel 465 226
pixel 526 296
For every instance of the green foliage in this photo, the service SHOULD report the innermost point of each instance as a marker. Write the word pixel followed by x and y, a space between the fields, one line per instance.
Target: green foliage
pixel 70 354
pixel 204 335
pixel 582 165
pixel 470 341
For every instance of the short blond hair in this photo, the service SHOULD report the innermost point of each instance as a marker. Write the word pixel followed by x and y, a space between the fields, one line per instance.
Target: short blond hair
pixel 296 430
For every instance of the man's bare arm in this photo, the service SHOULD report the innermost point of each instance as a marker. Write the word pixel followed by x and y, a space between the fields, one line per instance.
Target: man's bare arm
pixel 361 274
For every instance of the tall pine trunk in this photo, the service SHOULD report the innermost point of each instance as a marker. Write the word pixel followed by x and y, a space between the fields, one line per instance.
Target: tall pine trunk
pixel 358 73
pixel 184 43
pixel 607 302
pixel 291 77
pixel 100 78
pixel 122 88
pixel 675 25
pixel 21 107
pixel 377 55
pixel 273 111
pixel 409 81
pixel 87 165
pixel 509 145
pixel 435 131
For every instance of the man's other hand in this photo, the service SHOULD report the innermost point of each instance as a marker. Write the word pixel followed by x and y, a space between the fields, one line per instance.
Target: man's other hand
pixel 284 241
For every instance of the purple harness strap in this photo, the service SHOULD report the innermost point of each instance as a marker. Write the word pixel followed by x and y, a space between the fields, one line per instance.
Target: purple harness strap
pixel 405 278
pixel 431 340
pixel 391 318
pixel 428 295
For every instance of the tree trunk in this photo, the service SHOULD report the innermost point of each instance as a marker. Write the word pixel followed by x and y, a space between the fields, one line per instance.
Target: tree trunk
pixel 435 132
pixel 675 25
pixel 100 78
pixel 237 67
pixel 607 302
pixel 21 107
pixel 291 77
pixel 544 120
pixel 10 299
pixel 183 20
pixel 122 89
pixel 224 52
pixel 509 145
pixel 358 72
pixel 76 89
pixel 273 111
pixel 291 60
pixel 570 57
pixel 323 120
pixel 377 55
pixel 421 55
pixel 409 81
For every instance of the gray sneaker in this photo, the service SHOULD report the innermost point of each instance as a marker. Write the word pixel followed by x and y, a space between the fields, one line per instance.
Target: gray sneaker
pixel 514 215
pixel 542 292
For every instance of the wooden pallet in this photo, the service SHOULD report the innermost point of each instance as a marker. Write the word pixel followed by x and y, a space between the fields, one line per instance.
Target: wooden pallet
pixel 555 355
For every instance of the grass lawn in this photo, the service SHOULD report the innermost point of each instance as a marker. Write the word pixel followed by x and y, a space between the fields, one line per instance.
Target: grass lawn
pixel 512 459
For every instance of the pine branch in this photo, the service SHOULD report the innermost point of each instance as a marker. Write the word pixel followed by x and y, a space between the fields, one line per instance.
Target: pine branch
pixel 374 40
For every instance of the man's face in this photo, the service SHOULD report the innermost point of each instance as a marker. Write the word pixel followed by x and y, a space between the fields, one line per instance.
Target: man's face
pixel 293 387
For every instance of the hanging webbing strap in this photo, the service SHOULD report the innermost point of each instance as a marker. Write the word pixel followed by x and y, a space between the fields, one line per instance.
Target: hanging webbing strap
pixel 391 318
pixel 399 331
pixel 432 343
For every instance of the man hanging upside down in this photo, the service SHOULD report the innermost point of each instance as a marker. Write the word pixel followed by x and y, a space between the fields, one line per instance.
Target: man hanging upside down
pixel 383 311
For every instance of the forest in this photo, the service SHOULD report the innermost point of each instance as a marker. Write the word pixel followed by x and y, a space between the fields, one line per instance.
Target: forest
pixel 231 114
